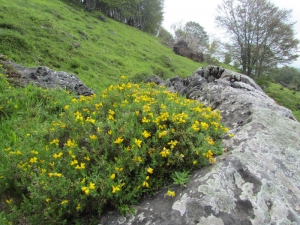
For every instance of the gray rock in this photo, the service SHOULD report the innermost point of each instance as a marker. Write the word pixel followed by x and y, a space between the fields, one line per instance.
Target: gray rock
pixel 47 78
pixel 256 181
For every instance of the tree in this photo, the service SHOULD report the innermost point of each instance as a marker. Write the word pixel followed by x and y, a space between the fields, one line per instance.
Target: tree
pixel 193 34
pixel 261 34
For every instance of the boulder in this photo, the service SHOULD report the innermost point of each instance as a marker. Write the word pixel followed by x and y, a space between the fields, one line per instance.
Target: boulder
pixel 257 179
pixel 45 78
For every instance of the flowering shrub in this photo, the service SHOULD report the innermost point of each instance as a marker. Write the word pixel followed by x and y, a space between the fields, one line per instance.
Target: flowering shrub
pixel 107 151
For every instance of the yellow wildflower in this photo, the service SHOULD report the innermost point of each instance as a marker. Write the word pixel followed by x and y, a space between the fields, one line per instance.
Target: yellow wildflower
pixel 171 193
pixel 71 143
pixel 115 189
pixel 147 178
pixel 146 134
pixel 113 176
pixel 64 202
pixel 48 199
pixel 92 186
pixel 8 201
pixel 119 140
pixel 145 184
pixel 93 137
pixel 145 120
pixel 74 162
pixel 173 143
pixel 78 207
pixel 110 132
pixel 33 160
pixel 165 152
pixel 163 133
pixel 138 142
pixel 194 162
pixel 54 142
pixel 204 125
pixel 150 170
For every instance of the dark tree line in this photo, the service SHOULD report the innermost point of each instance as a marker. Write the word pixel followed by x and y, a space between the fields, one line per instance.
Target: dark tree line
pixel 147 15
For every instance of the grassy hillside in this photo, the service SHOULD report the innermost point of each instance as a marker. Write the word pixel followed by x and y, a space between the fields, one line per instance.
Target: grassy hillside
pixel 285 97
pixel 65 37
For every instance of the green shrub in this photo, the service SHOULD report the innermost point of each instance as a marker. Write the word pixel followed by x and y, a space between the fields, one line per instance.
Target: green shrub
pixel 99 151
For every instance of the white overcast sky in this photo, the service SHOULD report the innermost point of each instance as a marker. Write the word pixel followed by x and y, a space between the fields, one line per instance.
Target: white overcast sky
pixel 204 13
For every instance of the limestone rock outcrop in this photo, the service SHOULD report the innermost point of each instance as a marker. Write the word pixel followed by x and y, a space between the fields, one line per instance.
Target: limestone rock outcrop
pixel 45 77
pixel 256 181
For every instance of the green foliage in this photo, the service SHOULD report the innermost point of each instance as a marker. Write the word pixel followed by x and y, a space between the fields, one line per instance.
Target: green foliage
pixel 181 178
pixel 286 76
pixel 285 97
pixel 63 157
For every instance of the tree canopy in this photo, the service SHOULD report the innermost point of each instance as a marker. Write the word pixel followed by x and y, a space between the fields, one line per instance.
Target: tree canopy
pixel 146 15
pixel 261 34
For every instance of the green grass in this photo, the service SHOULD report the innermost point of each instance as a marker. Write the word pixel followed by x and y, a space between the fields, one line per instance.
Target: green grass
pixel 285 97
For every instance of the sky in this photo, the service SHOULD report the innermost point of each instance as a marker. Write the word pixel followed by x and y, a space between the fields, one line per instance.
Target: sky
pixel 204 13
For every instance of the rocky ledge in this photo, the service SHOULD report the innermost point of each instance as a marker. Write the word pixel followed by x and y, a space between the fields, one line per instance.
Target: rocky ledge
pixel 256 181
pixel 43 77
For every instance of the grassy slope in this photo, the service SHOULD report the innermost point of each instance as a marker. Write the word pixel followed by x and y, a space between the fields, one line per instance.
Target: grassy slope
pixel 65 37
pixel 285 97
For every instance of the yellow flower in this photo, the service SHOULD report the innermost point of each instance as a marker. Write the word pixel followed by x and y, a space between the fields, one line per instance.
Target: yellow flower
pixel 145 120
pixel 112 176
pixel 33 160
pixel 48 199
pixel 50 174
pixel 165 152
pixel 204 125
pixel 74 162
pixel 64 202
pixel 173 143
pixel 8 201
pixel 78 207
pixel 119 140
pixel 93 137
pixel 163 133
pixel 145 184
pixel 34 152
pixel 171 193
pixel 115 189
pixel 54 142
pixel 123 77
pixel 83 181
pixel 85 190
pixel 87 158
pixel 146 134
pixel 119 169
pixel 147 178
pixel 66 107
pixel 150 170
pixel 194 162
pixel 109 132
pixel 82 166
pixel 230 135
pixel 57 156
pixel 71 143
pixel 92 186
pixel 138 142
pixel 58 174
